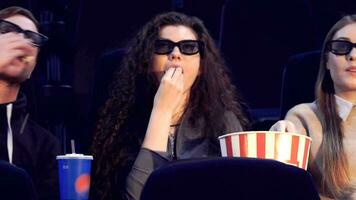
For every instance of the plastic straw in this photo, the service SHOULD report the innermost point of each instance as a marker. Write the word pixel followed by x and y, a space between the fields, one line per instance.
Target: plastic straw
pixel 72 145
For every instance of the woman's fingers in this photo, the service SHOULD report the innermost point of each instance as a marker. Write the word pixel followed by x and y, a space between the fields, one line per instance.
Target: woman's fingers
pixel 170 90
pixel 180 79
pixel 175 69
pixel 169 73
pixel 283 126
pixel 278 126
pixel 290 127
pixel 176 73
pixel 173 75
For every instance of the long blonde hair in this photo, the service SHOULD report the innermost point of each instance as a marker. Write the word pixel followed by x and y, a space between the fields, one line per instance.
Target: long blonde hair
pixel 334 180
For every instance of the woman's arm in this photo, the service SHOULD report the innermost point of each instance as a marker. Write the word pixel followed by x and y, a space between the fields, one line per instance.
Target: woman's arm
pixel 153 153
pixel 146 162
pixel 293 122
pixel 168 97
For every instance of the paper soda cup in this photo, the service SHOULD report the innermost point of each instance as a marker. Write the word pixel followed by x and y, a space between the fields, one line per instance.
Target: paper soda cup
pixel 74 176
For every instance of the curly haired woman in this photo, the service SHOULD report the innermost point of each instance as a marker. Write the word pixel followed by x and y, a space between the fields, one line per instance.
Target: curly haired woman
pixel 170 99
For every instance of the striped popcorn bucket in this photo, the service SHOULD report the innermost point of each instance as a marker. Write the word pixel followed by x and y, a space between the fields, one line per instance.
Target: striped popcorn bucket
pixel 289 148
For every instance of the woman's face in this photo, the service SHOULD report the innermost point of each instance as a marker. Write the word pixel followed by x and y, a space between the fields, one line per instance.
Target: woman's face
pixel 189 63
pixel 343 67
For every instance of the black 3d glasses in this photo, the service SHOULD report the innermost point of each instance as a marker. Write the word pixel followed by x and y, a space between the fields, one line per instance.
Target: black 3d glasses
pixel 37 39
pixel 187 47
pixel 340 47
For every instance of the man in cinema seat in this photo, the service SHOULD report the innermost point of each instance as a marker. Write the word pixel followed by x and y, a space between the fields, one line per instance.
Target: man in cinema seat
pixel 23 142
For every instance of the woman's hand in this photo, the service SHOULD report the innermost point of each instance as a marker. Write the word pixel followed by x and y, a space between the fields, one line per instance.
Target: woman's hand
pixel 283 126
pixel 170 92
pixel 168 98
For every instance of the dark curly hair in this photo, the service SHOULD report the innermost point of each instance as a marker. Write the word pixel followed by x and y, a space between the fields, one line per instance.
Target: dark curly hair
pixel 124 117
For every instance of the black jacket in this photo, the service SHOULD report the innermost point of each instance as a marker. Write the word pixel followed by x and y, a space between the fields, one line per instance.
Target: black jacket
pixel 34 150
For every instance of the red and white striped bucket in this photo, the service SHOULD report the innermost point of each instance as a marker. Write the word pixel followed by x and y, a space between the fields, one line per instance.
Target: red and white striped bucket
pixel 289 148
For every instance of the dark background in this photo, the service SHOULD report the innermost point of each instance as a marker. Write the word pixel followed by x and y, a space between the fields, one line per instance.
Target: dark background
pixel 256 38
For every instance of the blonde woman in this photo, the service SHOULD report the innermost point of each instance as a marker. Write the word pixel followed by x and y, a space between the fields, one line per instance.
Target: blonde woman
pixel 331 119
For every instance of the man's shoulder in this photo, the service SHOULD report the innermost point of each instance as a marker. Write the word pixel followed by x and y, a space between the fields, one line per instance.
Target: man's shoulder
pixel 34 128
